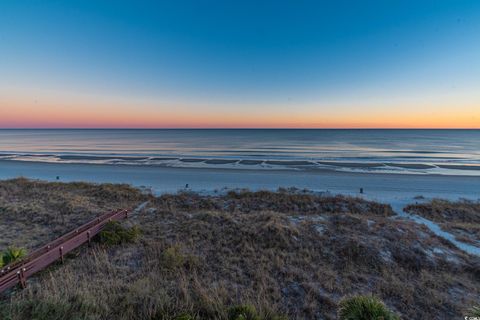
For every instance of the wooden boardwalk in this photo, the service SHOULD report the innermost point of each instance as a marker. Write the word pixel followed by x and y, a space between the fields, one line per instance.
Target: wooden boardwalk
pixel 18 272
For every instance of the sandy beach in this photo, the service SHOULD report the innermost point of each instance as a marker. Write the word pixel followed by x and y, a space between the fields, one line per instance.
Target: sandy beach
pixel 390 188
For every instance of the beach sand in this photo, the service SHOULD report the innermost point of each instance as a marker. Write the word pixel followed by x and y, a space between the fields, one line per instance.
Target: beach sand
pixel 383 187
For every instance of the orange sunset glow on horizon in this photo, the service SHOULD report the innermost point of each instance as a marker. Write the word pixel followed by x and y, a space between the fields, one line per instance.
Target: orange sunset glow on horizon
pixel 152 67
pixel 22 113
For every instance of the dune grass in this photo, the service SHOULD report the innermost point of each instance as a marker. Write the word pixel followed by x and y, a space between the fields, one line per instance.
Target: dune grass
pixel 114 234
pixel 364 308
pixel 254 255
pixel 461 218
pixel 32 213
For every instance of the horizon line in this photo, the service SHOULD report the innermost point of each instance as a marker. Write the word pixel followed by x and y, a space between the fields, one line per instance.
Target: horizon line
pixel 235 128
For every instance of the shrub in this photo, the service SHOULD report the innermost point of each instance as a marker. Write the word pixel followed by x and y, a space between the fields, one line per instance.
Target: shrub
pixel 173 258
pixel 233 194
pixel 243 312
pixel 11 255
pixel 364 308
pixel 114 233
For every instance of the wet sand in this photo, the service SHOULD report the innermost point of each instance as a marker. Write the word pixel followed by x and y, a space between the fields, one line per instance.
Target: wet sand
pixel 458 167
pixel 351 164
pixel 410 165
pixel 377 186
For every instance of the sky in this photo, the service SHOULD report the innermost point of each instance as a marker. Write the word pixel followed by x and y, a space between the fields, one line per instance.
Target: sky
pixel 240 64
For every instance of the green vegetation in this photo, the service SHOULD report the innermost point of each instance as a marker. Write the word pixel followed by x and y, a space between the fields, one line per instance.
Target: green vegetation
pixel 114 233
pixel 249 312
pixel 474 312
pixel 364 308
pixel 243 312
pixel 11 255
pixel 173 258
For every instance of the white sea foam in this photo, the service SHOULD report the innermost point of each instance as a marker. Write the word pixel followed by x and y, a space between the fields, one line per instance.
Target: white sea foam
pixel 419 152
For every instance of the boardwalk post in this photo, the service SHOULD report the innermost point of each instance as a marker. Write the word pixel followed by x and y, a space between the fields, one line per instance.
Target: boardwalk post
pixel 61 254
pixel 22 279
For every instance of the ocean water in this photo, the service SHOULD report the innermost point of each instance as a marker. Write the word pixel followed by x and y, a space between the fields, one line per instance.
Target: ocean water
pixel 449 152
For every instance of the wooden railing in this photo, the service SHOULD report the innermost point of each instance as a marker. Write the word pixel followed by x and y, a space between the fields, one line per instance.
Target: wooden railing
pixel 18 272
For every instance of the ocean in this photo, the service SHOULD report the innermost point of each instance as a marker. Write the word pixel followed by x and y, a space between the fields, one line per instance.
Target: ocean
pixel 445 152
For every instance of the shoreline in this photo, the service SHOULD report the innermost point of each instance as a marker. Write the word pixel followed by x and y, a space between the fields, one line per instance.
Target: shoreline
pixel 382 187
pixel 388 166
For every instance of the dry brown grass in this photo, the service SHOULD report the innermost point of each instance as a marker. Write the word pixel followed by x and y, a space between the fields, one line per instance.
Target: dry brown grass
pixel 461 218
pixel 282 253
pixel 34 212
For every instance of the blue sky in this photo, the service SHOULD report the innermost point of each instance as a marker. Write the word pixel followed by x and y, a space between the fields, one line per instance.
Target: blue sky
pixel 300 58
